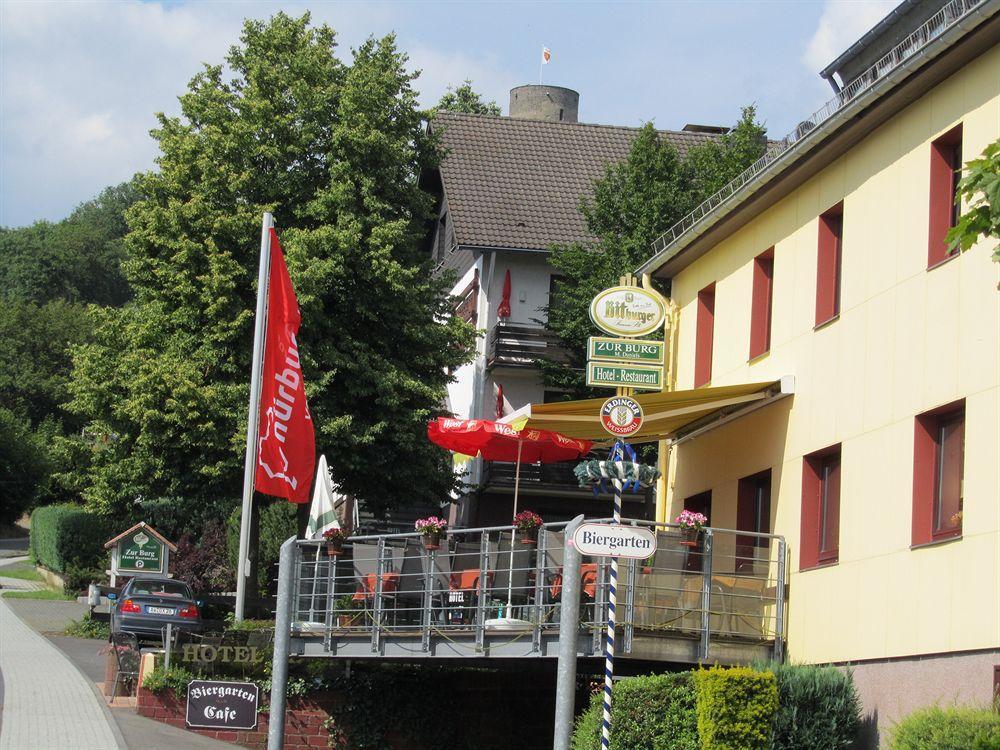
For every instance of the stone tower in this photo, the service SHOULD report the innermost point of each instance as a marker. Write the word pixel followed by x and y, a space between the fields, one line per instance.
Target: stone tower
pixel 538 102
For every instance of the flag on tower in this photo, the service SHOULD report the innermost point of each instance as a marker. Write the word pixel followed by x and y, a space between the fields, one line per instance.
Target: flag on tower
pixel 546 55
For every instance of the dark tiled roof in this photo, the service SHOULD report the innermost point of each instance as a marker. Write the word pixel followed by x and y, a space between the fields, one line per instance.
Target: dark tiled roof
pixel 517 183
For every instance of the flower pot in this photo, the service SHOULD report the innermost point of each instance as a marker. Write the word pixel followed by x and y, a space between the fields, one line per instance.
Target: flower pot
pixel 690 537
pixel 432 540
pixel 529 536
pixel 345 621
pixel 334 547
pixel 647 569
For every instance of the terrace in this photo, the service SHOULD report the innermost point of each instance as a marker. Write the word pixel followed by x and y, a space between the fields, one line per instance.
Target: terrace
pixel 718 598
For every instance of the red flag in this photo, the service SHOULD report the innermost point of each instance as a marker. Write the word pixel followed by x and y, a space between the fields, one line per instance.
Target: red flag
pixel 286 443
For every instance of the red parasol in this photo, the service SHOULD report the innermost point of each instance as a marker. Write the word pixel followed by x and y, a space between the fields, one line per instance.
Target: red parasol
pixel 503 311
pixel 496 441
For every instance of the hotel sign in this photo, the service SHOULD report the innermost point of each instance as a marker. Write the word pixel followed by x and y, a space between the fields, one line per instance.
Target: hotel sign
pixel 627 311
pixel 643 377
pixel 625 350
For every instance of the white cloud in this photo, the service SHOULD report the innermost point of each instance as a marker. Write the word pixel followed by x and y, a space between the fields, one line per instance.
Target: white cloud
pixel 80 83
pixel 842 23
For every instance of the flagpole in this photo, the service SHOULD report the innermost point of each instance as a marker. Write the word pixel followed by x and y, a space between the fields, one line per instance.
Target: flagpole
pixel 250 462
pixel 541 62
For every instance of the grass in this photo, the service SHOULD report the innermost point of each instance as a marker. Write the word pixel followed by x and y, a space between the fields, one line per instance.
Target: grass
pixel 47 594
pixel 21 571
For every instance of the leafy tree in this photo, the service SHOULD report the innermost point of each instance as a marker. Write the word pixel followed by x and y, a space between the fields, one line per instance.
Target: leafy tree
pixel 77 259
pixel 635 202
pixel 334 152
pixel 981 189
pixel 465 99
pixel 25 464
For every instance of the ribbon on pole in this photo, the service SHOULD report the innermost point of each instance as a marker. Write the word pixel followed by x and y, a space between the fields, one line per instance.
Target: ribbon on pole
pixel 617 453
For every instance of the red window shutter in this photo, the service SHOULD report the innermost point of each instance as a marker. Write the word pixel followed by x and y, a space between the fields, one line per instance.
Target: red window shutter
pixel 946 158
pixel 810 521
pixel 704 336
pixel 938 459
pixel 829 537
pixel 753 513
pixel 760 312
pixel 820 524
pixel 828 261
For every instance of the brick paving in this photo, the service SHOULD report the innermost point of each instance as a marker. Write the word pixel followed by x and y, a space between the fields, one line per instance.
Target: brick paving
pixel 47 702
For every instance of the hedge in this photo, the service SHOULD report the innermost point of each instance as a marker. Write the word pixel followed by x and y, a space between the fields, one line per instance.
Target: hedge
pixel 654 712
pixel 65 536
pixel 818 708
pixel 937 728
pixel 735 707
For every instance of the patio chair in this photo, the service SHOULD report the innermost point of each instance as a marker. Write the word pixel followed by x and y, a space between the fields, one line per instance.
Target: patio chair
pixel 410 594
pixel 440 579
pixel 127 658
pixel 365 559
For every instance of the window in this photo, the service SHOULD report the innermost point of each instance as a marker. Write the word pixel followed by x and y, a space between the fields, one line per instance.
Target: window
pixel 704 335
pixel 938 473
pixel 760 306
pixel 442 236
pixel 828 261
pixel 820 543
pixel 946 170
pixel 753 513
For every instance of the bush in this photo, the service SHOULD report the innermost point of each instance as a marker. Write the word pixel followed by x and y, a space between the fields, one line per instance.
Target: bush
pixel 654 712
pixel 88 627
pixel 735 708
pixel 174 516
pixel 204 566
pixel 957 728
pixel 64 535
pixel 77 579
pixel 160 680
pixel 277 523
pixel 818 708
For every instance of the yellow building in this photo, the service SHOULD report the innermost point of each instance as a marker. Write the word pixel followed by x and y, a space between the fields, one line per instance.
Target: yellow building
pixel 827 263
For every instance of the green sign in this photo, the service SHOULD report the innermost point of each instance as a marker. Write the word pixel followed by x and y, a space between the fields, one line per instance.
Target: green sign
pixel 140 553
pixel 627 350
pixel 644 377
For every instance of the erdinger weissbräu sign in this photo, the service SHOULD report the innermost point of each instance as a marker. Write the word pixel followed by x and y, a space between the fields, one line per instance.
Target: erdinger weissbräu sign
pixel 222 705
pixel 140 551
pixel 614 540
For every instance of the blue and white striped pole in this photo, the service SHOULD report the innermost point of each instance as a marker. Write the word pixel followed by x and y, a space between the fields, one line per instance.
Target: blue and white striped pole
pixel 609 640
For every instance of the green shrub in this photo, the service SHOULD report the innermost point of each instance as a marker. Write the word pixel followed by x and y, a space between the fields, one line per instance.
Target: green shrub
pixel 88 627
pixel 956 728
pixel 654 712
pixel 176 678
pixel 77 579
pixel 818 707
pixel 174 516
pixel 735 708
pixel 65 535
pixel 277 523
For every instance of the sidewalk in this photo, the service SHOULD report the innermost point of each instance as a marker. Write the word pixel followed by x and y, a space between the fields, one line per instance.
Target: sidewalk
pixel 46 703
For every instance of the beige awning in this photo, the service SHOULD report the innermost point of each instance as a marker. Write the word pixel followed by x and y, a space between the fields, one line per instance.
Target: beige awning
pixel 665 414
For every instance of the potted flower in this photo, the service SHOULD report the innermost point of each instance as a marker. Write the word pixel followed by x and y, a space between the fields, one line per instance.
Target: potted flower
pixel 691 523
pixel 647 565
pixel 344 607
pixel 527 522
pixel 334 541
pixel 431 528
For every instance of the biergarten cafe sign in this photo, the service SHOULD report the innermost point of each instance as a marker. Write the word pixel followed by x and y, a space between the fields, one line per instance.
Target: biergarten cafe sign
pixel 141 551
pixel 222 705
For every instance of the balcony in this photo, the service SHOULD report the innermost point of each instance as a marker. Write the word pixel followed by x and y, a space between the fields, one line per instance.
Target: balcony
pixel 713 599
pixel 512 345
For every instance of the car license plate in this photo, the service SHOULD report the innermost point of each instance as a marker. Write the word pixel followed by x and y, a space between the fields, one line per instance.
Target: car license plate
pixel 159 610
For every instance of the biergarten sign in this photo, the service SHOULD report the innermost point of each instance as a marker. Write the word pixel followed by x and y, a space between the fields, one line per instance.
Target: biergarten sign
pixel 222 705
pixel 627 311
pixel 644 377
pixel 607 349
pixel 614 540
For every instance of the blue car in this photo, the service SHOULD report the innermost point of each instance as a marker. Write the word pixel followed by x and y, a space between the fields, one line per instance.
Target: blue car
pixel 146 605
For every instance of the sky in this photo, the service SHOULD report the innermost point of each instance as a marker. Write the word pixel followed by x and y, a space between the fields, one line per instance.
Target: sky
pixel 80 82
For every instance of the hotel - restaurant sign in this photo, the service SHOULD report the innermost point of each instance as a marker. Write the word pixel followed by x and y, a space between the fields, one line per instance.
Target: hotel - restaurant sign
pixel 627 311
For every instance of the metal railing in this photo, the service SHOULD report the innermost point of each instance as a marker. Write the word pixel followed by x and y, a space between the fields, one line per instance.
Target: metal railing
pixel 513 345
pixel 944 19
pixel 721 586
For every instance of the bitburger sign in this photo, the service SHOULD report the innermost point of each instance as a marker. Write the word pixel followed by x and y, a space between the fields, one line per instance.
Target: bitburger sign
pixel 627 311
pixel 222 705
